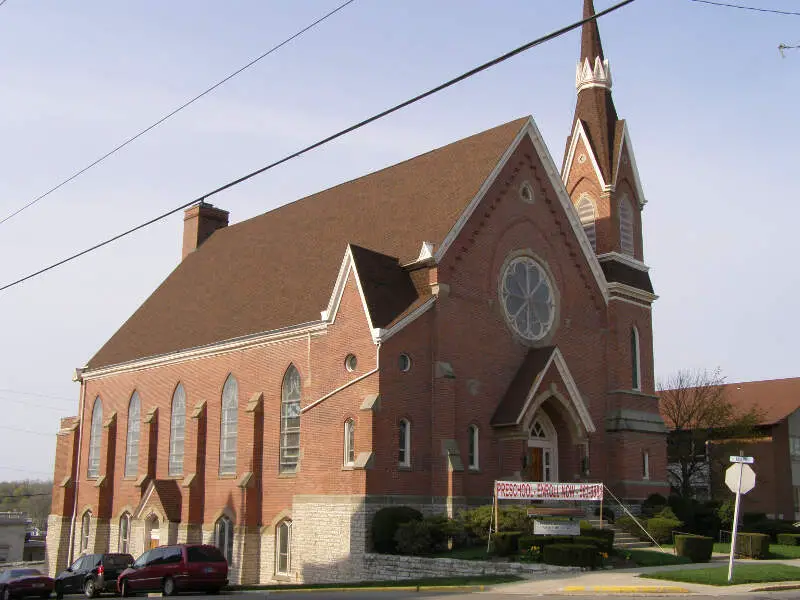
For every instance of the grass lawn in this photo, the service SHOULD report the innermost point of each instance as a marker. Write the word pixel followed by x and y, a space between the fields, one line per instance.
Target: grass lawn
pixel 775 550
pixel 654 558
pixel 438 582
pixel 742 573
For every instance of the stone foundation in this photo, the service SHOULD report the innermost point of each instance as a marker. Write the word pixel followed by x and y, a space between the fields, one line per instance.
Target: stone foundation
pixel 57 544
pixel 379 567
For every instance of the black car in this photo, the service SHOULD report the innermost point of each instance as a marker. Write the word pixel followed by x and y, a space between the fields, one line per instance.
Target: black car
pixel 92 574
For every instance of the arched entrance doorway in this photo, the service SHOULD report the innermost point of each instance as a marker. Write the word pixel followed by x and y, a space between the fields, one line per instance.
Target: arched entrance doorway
pixel 152 532
pixel 542 452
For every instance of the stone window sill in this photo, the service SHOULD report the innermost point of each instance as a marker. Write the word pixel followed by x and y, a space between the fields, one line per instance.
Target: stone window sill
pixel 287 476
pixel 474 470
pixel 228 475
pixel 286 578
pixel 404 467
pixel 129 478
pixel 349 467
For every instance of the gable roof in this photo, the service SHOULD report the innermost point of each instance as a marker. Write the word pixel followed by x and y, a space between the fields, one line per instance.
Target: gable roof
pixel 277 269
pixel 775 398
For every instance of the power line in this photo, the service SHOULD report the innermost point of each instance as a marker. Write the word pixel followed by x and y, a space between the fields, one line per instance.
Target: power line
pixel 3 2
pixel 765 10
pixel 34 404
pixel 31 431
pixel 172 113
pixel 23 393
pixel 330 138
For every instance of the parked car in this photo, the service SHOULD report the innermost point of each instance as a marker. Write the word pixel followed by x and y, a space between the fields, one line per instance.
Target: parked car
pixel 173 569
pixel 92 574
pixel 18 583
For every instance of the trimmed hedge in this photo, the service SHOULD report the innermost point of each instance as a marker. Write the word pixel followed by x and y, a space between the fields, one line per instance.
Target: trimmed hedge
pixel 771 528
pixel 752 545
pixel 506 543
pixel 603 537
pixel 571 555
pixel 789 539
pixel 414 538
pixel 661 529
pixel 385 524
pixel 698 548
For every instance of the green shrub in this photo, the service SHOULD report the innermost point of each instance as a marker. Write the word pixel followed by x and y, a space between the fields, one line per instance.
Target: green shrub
pixel 385 524
pixel 608 514
pixel 725 513
pixel 442 530
pixel 752 545
pixel 571 555
pixel 752 518
pixel 772 528
pixel 789 539
pixel 661 529
pixel 475 522
pixel 667 513
pixel 604 538
pixel 506 543
pixel 696 547
pixel 414 538
pixel 628 525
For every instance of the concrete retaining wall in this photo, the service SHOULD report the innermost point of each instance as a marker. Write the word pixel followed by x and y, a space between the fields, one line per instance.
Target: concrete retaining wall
pixel 378 567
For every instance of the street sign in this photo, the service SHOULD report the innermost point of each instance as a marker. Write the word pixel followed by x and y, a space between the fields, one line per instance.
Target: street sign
pixel 748 480
pixel 743 459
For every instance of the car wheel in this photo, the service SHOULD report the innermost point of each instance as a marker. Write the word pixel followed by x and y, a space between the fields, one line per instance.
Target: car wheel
pixel 59 592
pixel 168 587
pixel 124 588
pixel 89 589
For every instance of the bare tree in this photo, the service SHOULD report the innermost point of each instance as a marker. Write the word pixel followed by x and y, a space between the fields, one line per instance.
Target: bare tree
pixel 695 408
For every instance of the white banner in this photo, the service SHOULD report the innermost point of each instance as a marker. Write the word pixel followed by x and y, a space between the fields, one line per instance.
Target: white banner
pixel 545 490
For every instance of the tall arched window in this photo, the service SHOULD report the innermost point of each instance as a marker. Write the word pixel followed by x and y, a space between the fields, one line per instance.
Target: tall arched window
pixel 636 368
pixel 625 225
pixel 404 446
pixel 177 431
pixel 349 442
pixel 124 533
pixel 223 537
pixel 586 213
pixel 283 548
pixel 228 429
pixel 95 439
pixel 132 441
pixel 86 526
pixel 290 421
pixel 473 447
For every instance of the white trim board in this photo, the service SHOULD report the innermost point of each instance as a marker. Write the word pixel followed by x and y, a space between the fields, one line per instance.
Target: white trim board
pixel 579 133
pixel 637 182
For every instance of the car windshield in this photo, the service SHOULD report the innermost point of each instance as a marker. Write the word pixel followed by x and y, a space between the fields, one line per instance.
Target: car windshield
pixel 140 562
pixel 24 572
pixel 117 560
pixel 204 554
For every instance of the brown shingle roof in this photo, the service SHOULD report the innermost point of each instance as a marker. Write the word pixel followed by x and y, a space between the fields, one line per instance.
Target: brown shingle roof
pixel 775 398
pixel 513 401
pixel 278 269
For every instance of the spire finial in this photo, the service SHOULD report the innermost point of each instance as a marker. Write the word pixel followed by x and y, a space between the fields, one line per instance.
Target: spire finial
pixel 593 69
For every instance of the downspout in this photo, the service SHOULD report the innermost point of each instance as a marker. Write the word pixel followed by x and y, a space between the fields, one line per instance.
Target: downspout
pixel 77 377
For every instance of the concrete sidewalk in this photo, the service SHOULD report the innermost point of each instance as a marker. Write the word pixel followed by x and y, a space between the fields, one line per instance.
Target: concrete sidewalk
pixel 627 581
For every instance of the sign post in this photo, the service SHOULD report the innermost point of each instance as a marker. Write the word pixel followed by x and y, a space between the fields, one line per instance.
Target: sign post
pixel 740 479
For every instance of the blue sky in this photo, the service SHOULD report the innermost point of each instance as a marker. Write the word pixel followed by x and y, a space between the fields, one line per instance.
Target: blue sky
pixel 709 101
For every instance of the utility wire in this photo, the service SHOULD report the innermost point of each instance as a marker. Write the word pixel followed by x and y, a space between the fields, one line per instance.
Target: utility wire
pixel 135 137
pixel 330 138
pixel 31 431
pixel 765 10
pixel 62 409
pixel 38 395
pixel 3 2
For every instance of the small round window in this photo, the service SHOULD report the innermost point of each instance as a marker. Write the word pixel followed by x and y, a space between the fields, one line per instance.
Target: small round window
pixel 526 193
pixel 527 298
pixel 404 362
pixel 351 362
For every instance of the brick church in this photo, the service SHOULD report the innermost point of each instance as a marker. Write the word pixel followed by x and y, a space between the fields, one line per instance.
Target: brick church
pixel 468 315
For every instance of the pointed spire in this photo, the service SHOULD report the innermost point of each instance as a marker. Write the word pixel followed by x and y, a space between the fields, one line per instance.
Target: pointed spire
pixel 591 47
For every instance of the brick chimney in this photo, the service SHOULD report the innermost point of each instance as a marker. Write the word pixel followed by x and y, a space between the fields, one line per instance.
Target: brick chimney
pixel 199 222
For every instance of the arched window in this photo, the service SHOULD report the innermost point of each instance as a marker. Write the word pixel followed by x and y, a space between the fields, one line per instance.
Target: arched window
pixel 228 429
pixel 349 442
pixel 283 548
pixel 290 421
pixel 177 431
pixel 586 213
pixel 223 537
pixel 124 533
pixel 404 449
pixel 625 225
pixel 86 526
pixel 95 439
pixel 473 447
pixel 636 369
pixel 132 441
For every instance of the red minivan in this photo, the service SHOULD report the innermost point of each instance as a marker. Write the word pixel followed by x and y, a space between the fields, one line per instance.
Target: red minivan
pixel 173 569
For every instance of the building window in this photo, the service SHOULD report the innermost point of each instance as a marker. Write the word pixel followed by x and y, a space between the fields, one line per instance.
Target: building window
pixel 86 526
pixel 587 215
pixel 229 428
pixel 636 368
pixel 177 431
pixel 404 450
pixel 290 421
pixel 526 193
pixel 645 465
pixel 473 447
pixel 349 442
pixel 527 298
pixel 223 537
pixel 132 441
pixel 625 226
pixel 95 439
pixel 124 533
pixel 283 548
pixel 351 363
pixel 404 362
pixel 794 446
